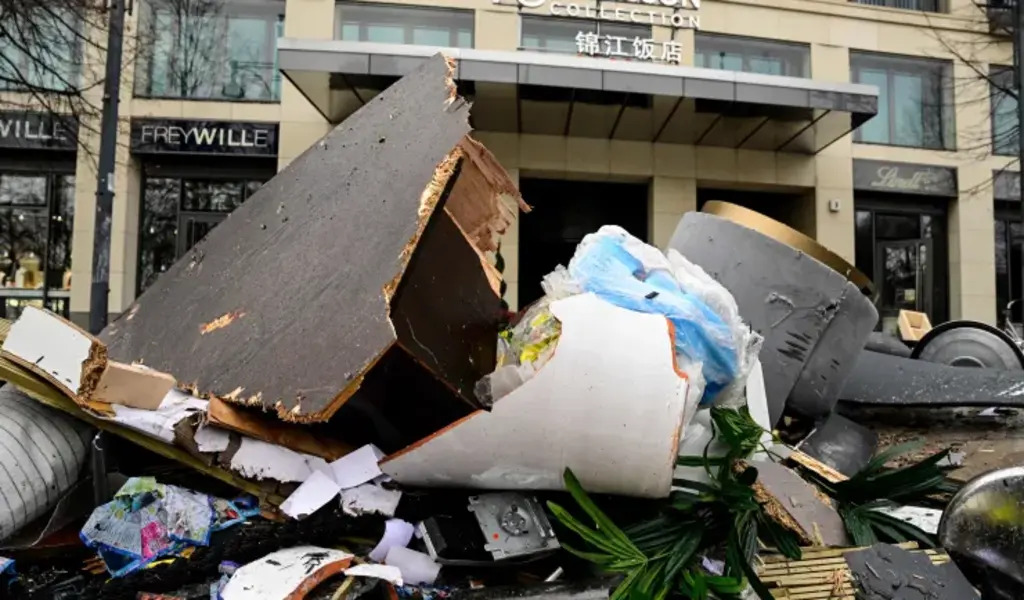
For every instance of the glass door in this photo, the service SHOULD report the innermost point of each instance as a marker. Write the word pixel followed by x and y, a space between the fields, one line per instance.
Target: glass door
pixel 904 279
pixel 193 227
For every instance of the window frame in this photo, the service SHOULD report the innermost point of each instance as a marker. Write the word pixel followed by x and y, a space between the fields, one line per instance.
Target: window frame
pixel 940 6
pixel 74 74
pixel 272 13
pixel 744 45
pixel 924 68
pixel 442 16
pixel 998 95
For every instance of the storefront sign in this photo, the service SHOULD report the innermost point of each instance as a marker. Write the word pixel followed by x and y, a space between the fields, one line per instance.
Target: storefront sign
pixel 647 12
pixel 203 137
pixel 38 131
pixel 904 178
pixel 616 46
pixel 1006 185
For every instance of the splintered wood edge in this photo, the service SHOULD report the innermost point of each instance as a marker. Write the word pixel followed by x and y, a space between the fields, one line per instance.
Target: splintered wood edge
pixel 42 391
pixel 812 464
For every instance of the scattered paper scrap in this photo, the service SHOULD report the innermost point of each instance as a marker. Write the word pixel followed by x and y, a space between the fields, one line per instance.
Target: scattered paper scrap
pixel 7 566
pixel 256 459
pixel 316 491
pixel 356 468
pixel 211 439
pixel 160 423
pixel 370 498
pixel 416 567
pixel 397 533
pixel 285 574
pixel 925 519
pixel 388 573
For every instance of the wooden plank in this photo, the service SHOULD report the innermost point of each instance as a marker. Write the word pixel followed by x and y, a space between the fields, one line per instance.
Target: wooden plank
pixel 292 302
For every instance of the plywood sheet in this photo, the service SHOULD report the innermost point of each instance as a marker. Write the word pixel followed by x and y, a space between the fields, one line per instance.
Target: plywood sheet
pixel 288 304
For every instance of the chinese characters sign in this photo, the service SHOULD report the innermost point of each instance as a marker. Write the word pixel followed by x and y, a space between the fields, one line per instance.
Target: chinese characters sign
pixel 617 46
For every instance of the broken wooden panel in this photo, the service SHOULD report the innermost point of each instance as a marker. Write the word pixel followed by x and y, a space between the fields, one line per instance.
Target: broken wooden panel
pixel 292 301
pixel 887 572
pixel 58 351
pixel 271 430
pixel 798 506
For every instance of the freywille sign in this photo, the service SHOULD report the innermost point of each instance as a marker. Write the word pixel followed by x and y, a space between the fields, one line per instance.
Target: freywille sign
pixel 616 46
pixel 38 130
pixel 648 12
pixel 904 178
pixel 203 137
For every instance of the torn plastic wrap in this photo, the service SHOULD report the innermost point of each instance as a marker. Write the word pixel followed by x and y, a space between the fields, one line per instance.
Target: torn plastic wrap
pixel 147 520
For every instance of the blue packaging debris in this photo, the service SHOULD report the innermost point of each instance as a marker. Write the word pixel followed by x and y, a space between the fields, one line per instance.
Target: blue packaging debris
pixel 147 520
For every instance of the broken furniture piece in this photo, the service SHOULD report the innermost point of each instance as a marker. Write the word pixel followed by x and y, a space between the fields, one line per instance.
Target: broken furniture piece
pixel 608 404
pixel 982 528
pixel 888 572
pixel 355 279
pixel 884 380
pixel 841 444
pixel 798 506
pixel 969 344
pixel 511 526
pixel 806 301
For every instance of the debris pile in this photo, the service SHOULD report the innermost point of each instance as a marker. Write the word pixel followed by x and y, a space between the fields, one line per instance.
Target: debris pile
pixel 658 424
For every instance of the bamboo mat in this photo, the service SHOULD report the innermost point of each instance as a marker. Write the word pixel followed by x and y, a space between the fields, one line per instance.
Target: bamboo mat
pixel 820 574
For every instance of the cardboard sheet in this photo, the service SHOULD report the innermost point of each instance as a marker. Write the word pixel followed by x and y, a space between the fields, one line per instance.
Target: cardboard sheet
pixel 609 404
pixel 136 386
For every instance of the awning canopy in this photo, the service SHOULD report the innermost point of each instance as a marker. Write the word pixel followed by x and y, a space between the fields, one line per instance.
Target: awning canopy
pixel 565 95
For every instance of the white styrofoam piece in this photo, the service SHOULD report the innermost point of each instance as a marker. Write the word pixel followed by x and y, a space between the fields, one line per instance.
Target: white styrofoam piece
pixel 925 519
pixel 256 459
pixel 358 467
pixel 396 533
pixel 279 574
pixel 212 439
pixel 757 401
pixel 58 348
pixel 416 567
pixel 386 572
pixel 370 498
pixel 609 404
pixel 317 490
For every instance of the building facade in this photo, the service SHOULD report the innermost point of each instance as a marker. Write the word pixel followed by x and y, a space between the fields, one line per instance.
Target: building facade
pixel 873 127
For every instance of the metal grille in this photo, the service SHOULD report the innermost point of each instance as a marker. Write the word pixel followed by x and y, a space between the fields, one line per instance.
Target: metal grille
pixel 923 5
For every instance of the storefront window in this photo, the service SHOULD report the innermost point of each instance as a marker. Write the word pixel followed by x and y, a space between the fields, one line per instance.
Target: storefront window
pixel 41 51
pixel 1008 237
pixel 1004 112
pixel 552 34
pixel 903 249
pixel 751 55
pixel 178 212
pixel 394 24
pixel 210 51
pixel 914 101
pixel 36 222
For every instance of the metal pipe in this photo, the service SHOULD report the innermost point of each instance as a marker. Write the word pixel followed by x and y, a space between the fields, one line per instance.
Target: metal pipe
pixel 98 300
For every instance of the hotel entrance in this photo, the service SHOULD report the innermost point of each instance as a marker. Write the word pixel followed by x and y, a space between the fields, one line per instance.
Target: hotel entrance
pixel 563 213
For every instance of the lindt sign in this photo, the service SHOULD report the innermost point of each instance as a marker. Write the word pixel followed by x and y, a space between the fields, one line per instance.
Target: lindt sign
pixel 647 12
pixel 164 136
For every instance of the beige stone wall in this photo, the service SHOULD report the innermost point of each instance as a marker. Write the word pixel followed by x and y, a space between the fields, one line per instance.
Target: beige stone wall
pixel 831 27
